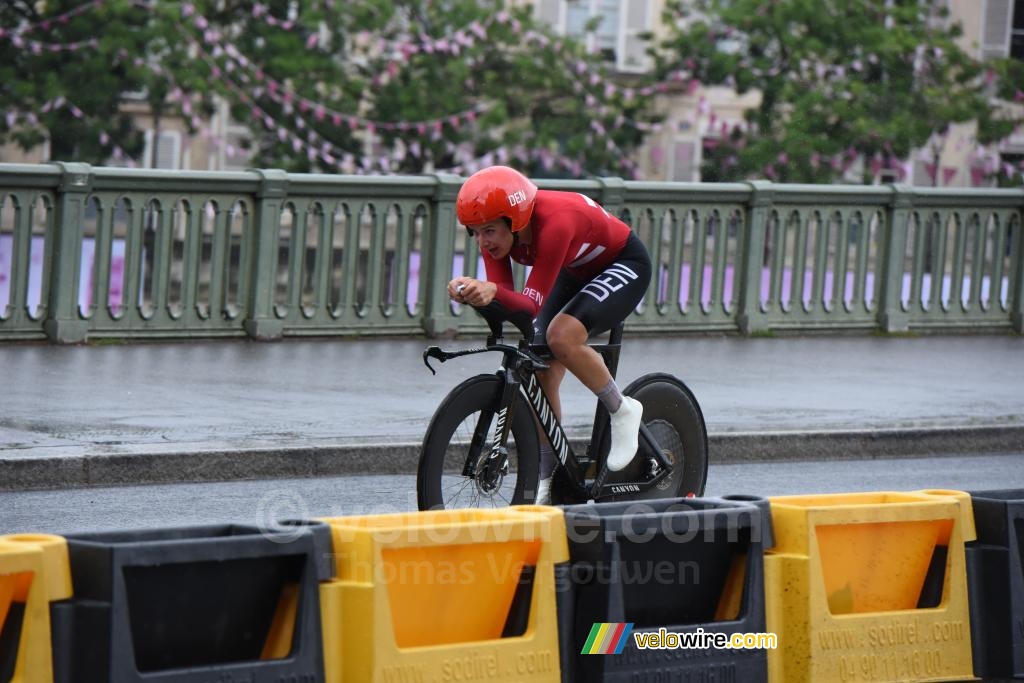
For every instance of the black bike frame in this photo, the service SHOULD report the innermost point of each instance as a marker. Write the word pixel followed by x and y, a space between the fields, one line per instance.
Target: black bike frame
pixel 515 366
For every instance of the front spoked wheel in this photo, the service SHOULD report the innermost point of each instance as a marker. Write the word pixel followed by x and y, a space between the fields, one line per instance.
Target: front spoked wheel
pixel 674 419
pixel 455 469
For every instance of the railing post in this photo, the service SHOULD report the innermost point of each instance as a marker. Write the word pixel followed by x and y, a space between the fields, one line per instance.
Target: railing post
pixel 64 255
pixel 438 252
pixel 261 322
pixel 749 316
pixel 613 195
pixel 1017 295
pixel 891 316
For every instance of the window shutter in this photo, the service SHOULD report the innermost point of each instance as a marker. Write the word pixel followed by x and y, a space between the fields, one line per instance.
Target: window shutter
pixel 682 160
pixel 168 151
pixel 995 32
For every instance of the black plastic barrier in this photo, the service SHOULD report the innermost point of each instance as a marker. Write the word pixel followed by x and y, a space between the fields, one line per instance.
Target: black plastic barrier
pixel 995 581
pixel 194 604
pixel 669 567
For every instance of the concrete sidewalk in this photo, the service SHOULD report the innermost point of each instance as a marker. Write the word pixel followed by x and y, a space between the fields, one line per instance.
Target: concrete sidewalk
pixel 206 411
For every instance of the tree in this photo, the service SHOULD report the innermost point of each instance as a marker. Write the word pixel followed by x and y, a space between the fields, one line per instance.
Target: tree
pixel 842 82
pixel 61 78
pixel 534 99
pixel 325 85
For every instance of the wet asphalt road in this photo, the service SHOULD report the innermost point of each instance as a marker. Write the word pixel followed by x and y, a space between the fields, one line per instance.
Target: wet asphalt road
pixel 255 502
pixel 126 399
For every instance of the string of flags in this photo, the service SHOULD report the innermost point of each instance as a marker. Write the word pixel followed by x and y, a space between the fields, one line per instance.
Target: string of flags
pixel 587 82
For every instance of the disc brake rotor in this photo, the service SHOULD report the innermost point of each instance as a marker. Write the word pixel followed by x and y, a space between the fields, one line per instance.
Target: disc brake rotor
pixel 489 483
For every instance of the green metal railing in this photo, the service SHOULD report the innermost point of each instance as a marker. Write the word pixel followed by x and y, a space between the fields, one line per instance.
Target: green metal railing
pixel 94 253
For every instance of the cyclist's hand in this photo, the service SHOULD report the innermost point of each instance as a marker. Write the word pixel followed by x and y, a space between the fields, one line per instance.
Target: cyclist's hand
pixel 455 288
pixel 473 292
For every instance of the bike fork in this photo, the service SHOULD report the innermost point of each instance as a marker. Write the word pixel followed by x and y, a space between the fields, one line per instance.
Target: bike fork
pixel 496 463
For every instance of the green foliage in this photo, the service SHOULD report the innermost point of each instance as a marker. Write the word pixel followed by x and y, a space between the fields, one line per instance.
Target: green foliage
pixel 90 79
pixel 443 85
pixel 841 80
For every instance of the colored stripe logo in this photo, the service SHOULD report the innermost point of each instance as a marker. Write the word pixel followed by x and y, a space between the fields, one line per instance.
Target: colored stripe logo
pixel 607 638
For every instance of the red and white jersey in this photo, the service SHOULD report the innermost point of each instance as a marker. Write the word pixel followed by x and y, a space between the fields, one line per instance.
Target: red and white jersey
pixel 570 231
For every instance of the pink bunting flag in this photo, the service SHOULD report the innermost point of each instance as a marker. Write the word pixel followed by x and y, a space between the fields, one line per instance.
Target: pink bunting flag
pixel 947 175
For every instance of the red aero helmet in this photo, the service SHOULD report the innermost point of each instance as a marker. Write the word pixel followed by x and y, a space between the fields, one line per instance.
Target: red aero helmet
pixel 496 192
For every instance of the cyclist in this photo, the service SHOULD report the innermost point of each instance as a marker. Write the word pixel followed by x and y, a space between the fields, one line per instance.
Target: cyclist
pixel 589 271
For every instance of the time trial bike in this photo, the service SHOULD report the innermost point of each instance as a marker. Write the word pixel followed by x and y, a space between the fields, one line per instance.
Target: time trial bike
pixel 481 448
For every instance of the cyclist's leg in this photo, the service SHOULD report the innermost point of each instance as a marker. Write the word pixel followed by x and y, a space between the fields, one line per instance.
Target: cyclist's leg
pixel 601 304
pixel 562 291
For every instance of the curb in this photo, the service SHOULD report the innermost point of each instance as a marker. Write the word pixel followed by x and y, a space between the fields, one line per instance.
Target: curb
pixel 225 464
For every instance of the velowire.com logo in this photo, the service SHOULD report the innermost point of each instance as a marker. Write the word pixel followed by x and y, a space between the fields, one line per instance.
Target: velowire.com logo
pixel 607 638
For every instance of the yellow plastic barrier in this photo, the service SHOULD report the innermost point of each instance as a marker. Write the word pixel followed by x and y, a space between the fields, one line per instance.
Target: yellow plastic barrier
pixel 34 572
pixel 869 587
pixel 446 595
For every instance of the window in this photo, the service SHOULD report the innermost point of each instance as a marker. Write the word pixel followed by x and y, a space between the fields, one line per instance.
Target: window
pixel 1017 33
pixel 619 25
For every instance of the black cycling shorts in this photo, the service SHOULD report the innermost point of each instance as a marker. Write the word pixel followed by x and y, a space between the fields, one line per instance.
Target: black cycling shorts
pixel 604 301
